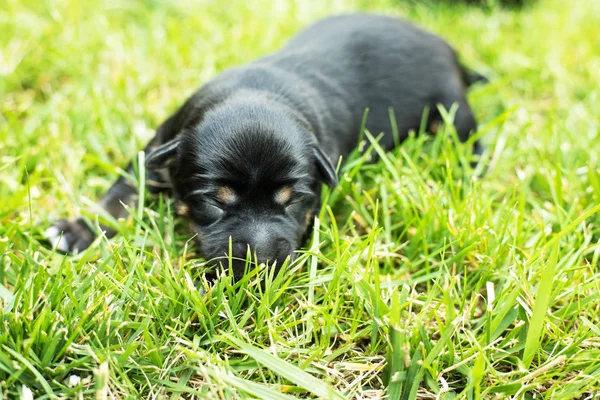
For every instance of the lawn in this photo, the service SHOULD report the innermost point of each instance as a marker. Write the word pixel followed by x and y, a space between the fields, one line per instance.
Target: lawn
pixel 423 278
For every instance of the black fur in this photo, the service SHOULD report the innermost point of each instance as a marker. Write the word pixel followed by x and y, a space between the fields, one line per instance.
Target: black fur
pixel 248 153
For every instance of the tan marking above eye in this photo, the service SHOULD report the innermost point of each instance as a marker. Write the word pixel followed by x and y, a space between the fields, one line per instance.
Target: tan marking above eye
pixel 226 195
pixel 283 195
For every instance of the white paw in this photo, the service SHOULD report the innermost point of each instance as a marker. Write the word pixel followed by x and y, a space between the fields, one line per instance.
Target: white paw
pixel 69 235
pixel 56 239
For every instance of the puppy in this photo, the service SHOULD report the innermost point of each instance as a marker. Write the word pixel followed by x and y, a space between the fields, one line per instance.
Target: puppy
pixel 246 156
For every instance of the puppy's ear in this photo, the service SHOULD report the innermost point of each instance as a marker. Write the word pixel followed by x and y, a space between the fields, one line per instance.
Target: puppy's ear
pixel 325 167
pixel 163 156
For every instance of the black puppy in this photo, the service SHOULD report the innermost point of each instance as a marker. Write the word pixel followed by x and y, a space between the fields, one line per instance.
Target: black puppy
pixel 247 154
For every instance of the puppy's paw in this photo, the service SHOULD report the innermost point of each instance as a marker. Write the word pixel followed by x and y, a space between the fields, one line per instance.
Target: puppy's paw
pixel 69 235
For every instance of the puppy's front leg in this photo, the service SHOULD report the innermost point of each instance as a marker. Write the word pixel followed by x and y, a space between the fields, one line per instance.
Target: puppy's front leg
pixel 75 235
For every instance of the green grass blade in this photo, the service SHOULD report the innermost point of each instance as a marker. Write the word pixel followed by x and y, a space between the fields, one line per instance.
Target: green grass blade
pixel 286 370
pixel 540 308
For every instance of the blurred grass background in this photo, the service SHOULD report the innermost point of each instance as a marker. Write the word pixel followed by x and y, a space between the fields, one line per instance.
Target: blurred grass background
pixel 426 283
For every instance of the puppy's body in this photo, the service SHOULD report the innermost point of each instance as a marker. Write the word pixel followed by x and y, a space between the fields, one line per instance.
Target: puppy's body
pixel 248 152
pixel 334 69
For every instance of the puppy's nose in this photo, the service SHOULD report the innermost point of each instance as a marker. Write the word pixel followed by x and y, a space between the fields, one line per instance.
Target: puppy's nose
pixel 266 249
pixel 278 250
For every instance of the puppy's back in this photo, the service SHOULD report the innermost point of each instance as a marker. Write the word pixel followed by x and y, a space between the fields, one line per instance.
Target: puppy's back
pixel 334 69
pixel 363 60
pixel 361 29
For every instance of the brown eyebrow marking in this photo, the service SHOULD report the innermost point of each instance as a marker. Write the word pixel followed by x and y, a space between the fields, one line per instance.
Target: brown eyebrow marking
pixel 283 195
pixel 226 195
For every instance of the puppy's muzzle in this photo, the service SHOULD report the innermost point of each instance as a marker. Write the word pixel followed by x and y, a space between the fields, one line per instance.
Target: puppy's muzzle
pixel 265 242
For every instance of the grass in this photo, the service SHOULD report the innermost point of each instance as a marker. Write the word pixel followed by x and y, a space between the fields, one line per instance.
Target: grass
pixel 421 280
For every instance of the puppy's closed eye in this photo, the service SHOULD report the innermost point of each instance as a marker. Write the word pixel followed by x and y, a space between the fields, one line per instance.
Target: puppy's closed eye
pixel 283 195
pixel 206 212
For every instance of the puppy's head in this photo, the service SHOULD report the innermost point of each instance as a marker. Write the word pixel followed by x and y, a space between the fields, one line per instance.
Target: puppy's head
pixel 247 176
